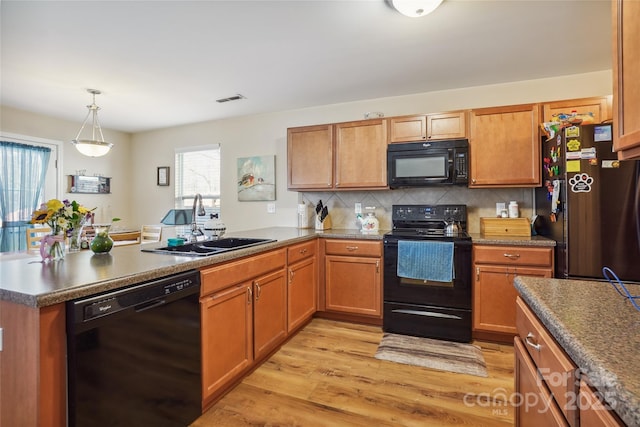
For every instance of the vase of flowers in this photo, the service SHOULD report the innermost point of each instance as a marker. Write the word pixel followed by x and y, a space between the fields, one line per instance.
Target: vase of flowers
pixel 63 217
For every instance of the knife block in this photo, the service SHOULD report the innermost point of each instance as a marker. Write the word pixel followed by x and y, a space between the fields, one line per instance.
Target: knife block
pixel 323 225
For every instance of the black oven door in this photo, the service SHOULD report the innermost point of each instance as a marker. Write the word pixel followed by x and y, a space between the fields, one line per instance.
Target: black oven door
pixel 454 294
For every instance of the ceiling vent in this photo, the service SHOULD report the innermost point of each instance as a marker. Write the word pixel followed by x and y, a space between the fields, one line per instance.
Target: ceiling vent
pixel 236 97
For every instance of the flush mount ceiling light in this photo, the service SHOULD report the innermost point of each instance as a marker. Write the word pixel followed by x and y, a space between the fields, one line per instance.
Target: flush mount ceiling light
pixel 92 147
pixel 415 8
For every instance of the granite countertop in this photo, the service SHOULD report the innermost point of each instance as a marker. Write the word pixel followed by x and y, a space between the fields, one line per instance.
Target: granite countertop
pixel 599 330
pixel 482 239
pixel 24 279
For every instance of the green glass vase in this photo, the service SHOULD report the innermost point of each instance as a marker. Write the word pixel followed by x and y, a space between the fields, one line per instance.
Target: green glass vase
pixel 102 242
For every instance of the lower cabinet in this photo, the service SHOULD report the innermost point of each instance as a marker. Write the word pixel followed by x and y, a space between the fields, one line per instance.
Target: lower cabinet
pixel 549 386
pixel 494 296
pixel 353 277
pixel 244 317
pixel 302 284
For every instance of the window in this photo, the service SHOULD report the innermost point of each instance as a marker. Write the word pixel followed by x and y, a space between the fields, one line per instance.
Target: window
pixel 198 171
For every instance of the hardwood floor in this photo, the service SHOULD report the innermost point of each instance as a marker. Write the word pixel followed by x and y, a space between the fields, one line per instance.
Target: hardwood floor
pixel 327 376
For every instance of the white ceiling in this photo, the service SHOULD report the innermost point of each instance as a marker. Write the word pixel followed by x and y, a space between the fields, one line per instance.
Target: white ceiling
pixel 164 63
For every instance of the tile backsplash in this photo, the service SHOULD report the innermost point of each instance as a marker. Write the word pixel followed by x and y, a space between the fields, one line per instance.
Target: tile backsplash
pixel 480 202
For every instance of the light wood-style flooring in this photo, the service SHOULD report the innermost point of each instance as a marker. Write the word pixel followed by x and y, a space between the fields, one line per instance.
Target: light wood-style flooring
pixel 327 376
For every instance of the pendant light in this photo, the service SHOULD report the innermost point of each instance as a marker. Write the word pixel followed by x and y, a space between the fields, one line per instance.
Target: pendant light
pixel 92 147
pixel 415 8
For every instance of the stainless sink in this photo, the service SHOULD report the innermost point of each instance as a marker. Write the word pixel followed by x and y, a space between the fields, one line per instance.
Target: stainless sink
pixel 209 247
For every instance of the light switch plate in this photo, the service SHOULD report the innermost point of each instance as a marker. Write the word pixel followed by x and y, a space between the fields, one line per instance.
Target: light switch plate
pixel 358 208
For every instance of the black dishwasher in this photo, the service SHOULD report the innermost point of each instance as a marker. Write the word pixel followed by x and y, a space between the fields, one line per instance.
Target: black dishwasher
pixel 134 355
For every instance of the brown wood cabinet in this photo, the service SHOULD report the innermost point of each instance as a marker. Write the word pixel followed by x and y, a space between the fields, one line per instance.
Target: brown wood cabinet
pixel 593 412
pixel 353 277
pixel 33 366
pixel 599 106
pixel 626 84
pixel 451 125
pixel 302 284
pixel 310 157
pixel 361 154
pixel 249 298
pixel 494 296
pixel 541 363
pixel 504 147
pixel 351 155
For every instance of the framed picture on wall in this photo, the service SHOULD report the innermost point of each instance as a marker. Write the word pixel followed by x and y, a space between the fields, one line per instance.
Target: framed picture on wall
pixel 163 175
pixel 256 178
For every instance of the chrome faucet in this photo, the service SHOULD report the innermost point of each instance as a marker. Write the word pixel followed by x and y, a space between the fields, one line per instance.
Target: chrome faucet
pixel 195 230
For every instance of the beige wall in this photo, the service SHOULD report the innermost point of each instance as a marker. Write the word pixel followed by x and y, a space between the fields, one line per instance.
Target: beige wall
pixel 116 164
pixel 266 134
pixel 133 162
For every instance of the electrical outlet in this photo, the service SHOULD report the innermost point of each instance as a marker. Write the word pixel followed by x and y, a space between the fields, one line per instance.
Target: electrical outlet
pixel 271 208
pixel 358 208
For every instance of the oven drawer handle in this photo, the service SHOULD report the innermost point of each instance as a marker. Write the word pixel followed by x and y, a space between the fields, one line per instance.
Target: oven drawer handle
pixel 426 313
pixel 531 343
pixel 511 256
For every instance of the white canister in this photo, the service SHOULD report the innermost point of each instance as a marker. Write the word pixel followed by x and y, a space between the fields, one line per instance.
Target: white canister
pixel 514 211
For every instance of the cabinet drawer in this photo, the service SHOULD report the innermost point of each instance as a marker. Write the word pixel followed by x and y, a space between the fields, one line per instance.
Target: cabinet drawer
pixel 353 247
pixel 301 251
pixel 555 367
pixel 222 276
pixel 537 407
pixel 513 255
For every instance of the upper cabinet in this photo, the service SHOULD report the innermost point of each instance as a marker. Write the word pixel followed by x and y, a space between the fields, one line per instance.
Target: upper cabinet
pixel 504 146
pixel 310 157
pixel 452 125
pixel 361 154
pixel 350 155
pixel 600 107
pixel 626 85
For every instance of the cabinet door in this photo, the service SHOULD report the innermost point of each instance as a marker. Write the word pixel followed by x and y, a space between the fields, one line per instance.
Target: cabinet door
pixel 226 351
pixel 361 154
pixel 447 125
pixel 494 296
pixel 269 312
pixel 407 129
pixel 504 147
pixel 593 412
pixel 353 285
pixel 310 157
pixel 626 85
pixel 302 296
pixel 537 407
pixel 599 106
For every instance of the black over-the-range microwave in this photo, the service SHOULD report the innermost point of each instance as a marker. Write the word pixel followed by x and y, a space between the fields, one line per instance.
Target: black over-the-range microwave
pixel 422 164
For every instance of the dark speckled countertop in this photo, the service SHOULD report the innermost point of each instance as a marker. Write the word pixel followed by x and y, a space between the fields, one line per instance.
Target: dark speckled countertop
pixel 26 280
pixel 598 329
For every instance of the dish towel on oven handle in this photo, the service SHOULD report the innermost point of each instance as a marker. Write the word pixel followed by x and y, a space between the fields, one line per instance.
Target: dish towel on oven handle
pixel 425 260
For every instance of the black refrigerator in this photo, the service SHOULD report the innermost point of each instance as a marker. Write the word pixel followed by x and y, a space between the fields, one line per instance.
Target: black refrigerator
pixel 590 204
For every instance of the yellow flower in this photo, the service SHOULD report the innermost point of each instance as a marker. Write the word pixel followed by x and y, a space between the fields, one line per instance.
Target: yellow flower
pixel 54 205
pixel 41 217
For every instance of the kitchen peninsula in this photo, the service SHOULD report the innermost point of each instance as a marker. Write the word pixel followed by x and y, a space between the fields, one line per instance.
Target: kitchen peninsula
pixel 598 330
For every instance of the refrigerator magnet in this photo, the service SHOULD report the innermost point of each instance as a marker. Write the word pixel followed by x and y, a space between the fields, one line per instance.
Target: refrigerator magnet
pixel 573 166
pixel 573 145
pixel 572 132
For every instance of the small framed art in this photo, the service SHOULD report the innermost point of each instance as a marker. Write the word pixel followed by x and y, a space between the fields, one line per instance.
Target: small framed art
pixel 163 175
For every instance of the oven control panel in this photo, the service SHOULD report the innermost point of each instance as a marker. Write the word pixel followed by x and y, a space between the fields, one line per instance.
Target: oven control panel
pixel 429 213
